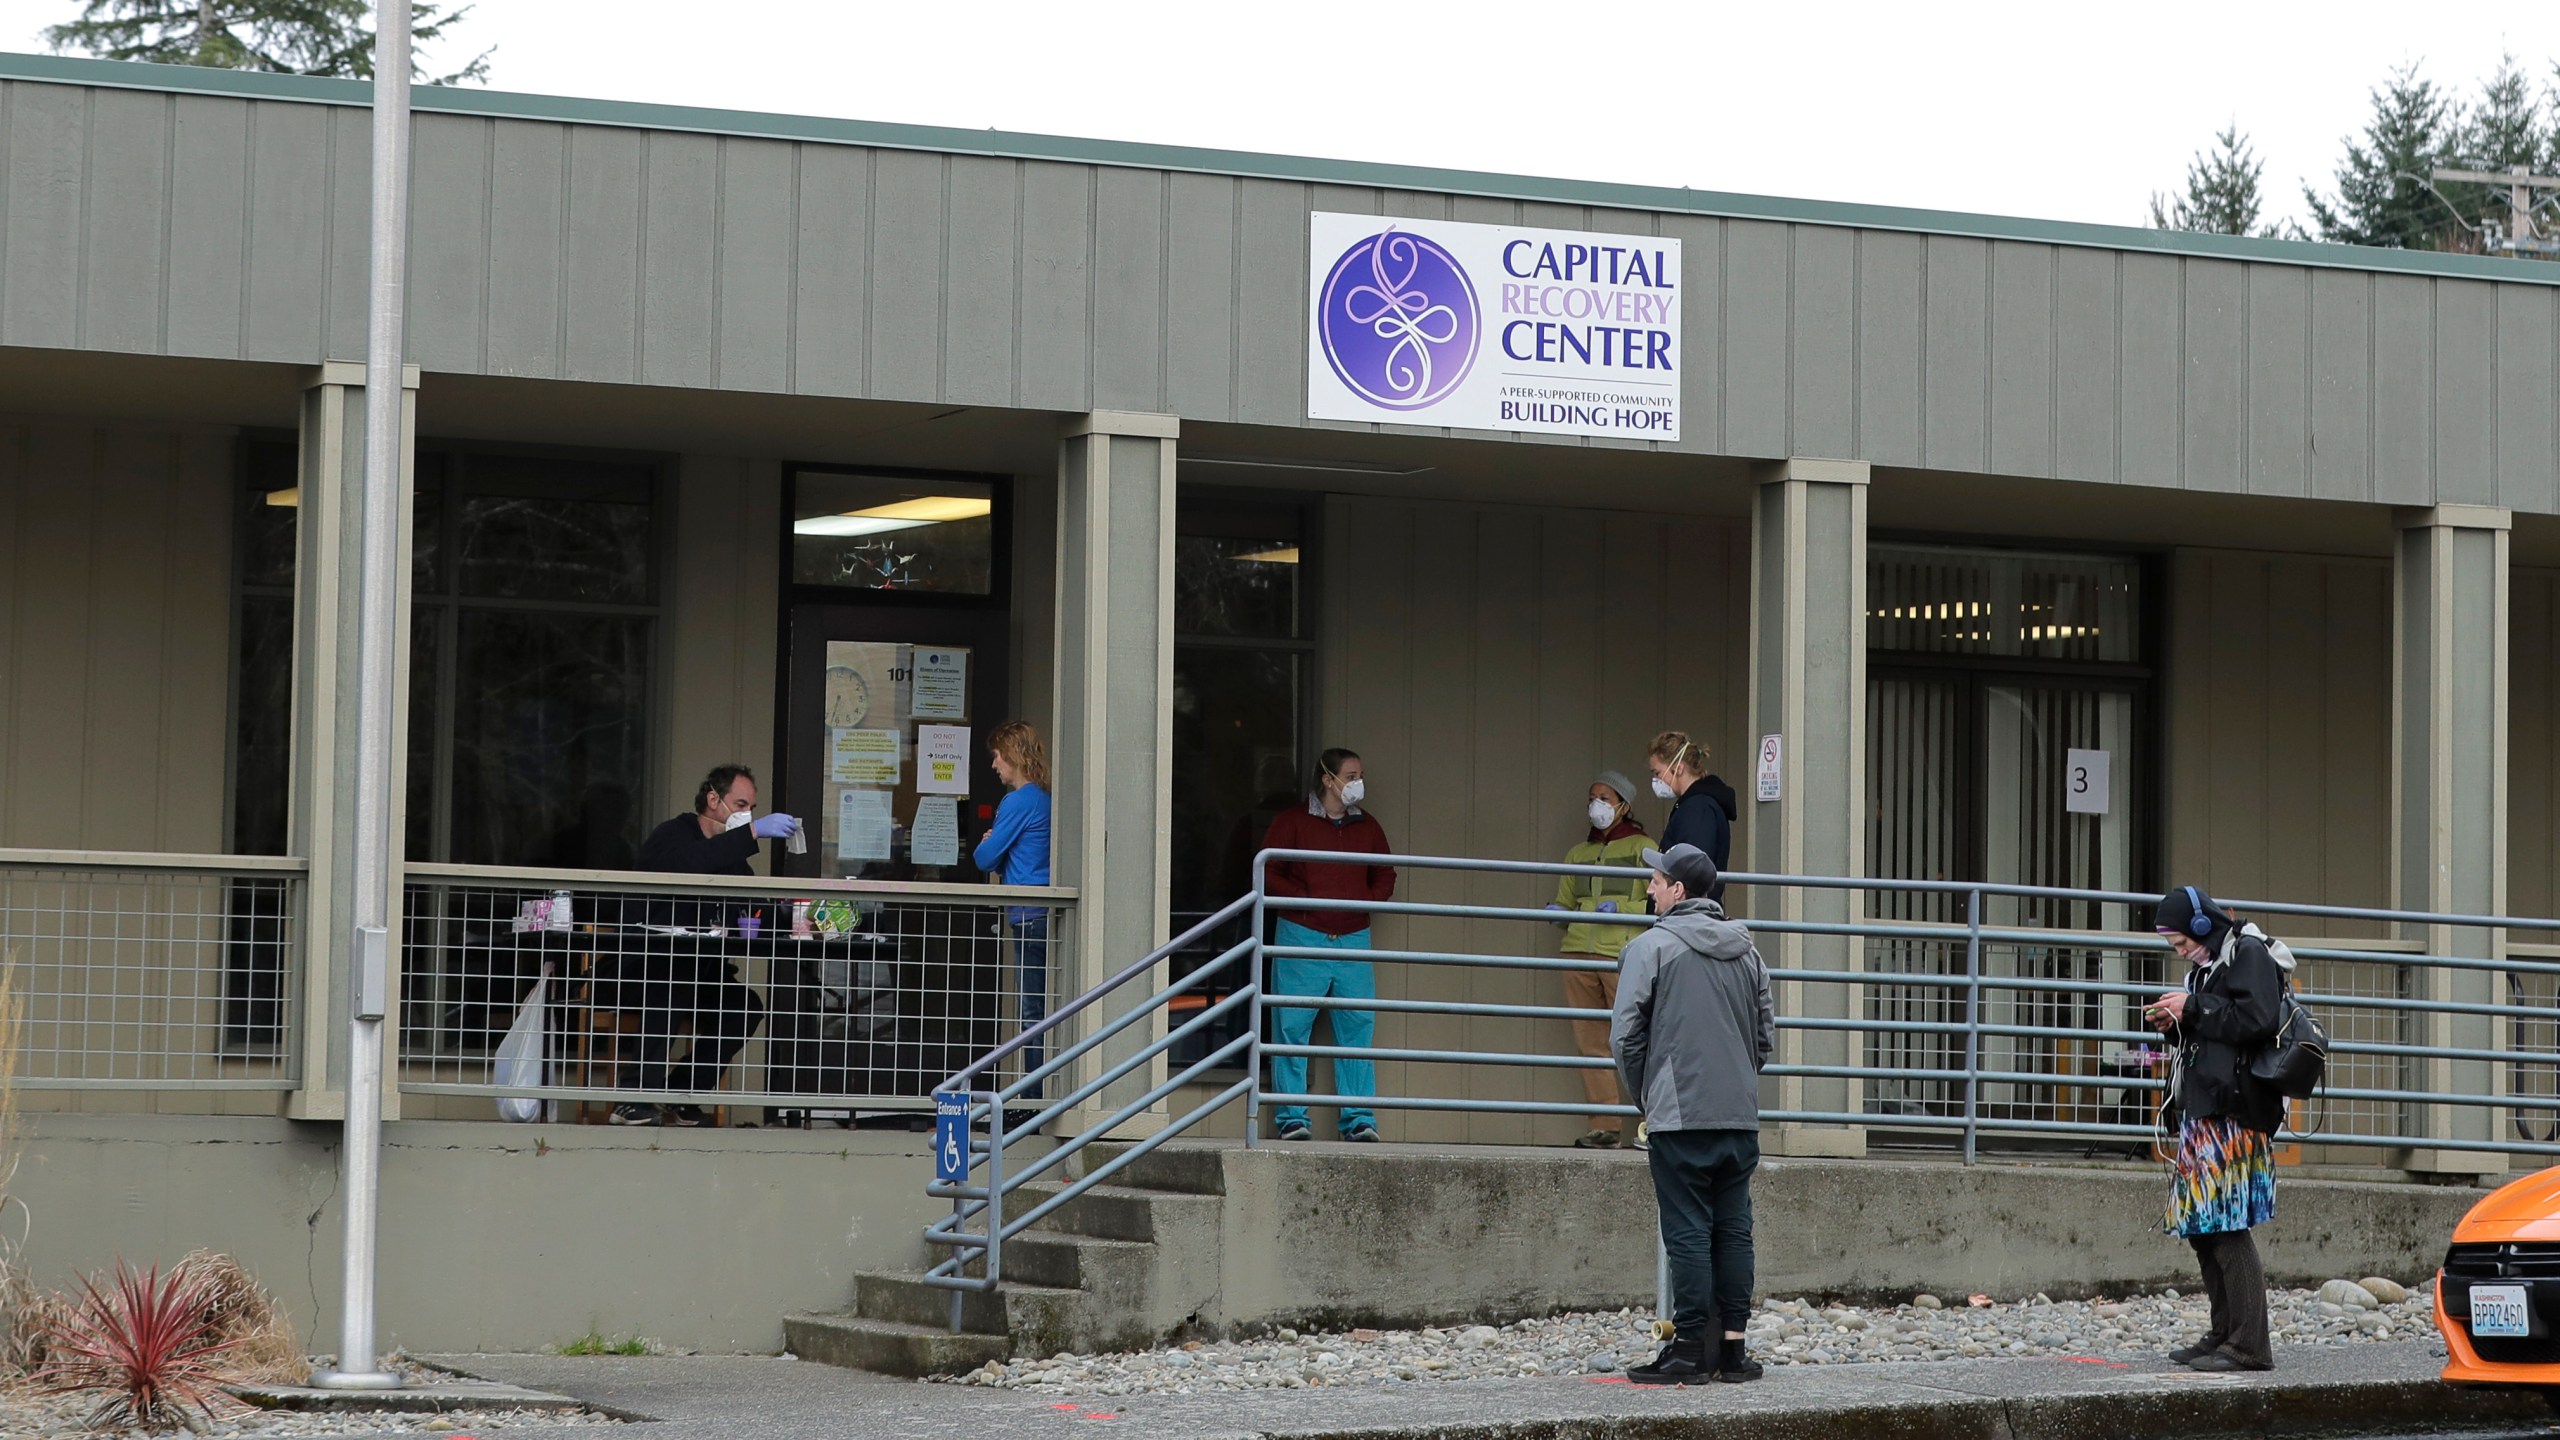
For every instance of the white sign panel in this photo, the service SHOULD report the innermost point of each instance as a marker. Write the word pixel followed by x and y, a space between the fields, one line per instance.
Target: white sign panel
pixel 1493 327
pixel 2085 782
pixel 1772 750
pixel 942 684
pixel 942 759
pixel 936 837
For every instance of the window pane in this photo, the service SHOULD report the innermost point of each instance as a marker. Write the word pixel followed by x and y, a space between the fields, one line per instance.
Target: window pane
pixel 875 532
pixel 550 739
pixel 1225 586
pixel 268 511
pixel 262 743
pixel 426 652
pixel 1235 748
pixel 1948 601
pixel 426 527
pixel 522 547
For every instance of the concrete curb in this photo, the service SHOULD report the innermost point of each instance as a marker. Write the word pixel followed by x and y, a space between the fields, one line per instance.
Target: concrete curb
pixel 2258 1408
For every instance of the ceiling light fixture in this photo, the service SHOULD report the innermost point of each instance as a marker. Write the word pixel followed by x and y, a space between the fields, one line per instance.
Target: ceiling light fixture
pixel 897 515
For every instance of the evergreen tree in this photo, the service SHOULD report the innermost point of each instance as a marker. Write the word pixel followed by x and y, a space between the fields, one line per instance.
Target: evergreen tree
pixel 294 37
pixel 2508 128
pixel 2222 191
pixel 2383 196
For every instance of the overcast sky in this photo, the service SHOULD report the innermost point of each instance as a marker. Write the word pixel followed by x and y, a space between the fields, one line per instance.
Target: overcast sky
pixel 2064 112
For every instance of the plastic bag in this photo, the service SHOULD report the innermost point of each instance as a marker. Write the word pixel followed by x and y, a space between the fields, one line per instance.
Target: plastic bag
pixel 520 1055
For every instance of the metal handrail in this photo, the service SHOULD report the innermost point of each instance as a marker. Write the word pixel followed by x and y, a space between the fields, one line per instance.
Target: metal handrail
pixel 152 860
pixel 652 882
pixel 2402 953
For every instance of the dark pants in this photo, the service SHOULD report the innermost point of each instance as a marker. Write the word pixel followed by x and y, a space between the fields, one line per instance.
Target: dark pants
pixel 1702 1182
pixel 720 1014
pixel 2236 1285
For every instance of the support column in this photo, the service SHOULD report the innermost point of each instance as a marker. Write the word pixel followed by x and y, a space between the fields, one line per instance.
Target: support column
pixel 1113 823
pixel 327 578
pixel 2449 667
pixel 1809 688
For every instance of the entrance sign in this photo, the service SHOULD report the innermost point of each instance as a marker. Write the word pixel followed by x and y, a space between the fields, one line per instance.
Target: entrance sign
pixel 950 1136
pixel 2085 782
pixel 1493 327
pixel 1772 749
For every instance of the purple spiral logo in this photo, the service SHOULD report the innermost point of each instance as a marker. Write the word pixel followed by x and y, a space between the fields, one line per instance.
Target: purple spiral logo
pixel 1398 320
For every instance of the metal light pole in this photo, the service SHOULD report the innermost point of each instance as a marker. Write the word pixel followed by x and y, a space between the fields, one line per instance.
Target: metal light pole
pixel 368 940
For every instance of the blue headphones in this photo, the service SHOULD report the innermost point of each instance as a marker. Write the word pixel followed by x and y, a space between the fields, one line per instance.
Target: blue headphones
pixel 2199 920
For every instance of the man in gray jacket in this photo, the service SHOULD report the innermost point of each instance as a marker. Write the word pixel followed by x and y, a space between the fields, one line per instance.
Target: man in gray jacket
pixel 1692 1028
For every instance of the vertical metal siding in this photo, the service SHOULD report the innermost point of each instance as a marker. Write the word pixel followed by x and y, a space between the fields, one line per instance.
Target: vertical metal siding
pixel 1823 372
pixel 980 305
pixel 2021 359
pixel 751 308
pixel 230 229
pixel 527 219
pixel 1955 355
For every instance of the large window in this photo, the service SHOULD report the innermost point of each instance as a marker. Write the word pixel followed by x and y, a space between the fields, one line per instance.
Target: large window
pixel 532 659
pixel 1999 683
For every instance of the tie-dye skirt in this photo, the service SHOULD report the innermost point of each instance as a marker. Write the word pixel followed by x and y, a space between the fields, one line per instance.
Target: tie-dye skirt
pixel 2225 1179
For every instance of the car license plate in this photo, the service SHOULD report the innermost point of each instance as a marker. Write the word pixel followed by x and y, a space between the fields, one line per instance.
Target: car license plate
pixel 2499 1310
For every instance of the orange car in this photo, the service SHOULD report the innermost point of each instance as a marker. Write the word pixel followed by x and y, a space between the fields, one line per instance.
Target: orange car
pixel 2498 1297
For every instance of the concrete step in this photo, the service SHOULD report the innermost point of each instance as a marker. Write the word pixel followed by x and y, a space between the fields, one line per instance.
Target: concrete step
pixel 1074 1262
pixel 1122 1212
pixel 1190 1167
pixel 887 1348
pixel 901 1297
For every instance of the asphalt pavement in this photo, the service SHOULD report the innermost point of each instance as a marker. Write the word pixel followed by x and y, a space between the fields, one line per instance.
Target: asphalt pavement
pixel 2365 1390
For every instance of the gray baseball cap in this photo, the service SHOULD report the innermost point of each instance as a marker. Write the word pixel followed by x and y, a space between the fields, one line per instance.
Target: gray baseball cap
pixel 1625 787
pixel 1686 864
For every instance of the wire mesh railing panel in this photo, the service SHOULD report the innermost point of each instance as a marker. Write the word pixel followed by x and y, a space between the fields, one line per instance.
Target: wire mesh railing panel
pixel 148 978
pixel 696 1004
pixel 2361 1025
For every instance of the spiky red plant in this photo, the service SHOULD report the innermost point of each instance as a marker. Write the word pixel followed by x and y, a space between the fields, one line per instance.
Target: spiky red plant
pixel 144 1342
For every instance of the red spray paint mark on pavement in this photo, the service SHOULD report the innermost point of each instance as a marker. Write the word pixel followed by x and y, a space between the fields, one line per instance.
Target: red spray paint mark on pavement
pixel 1066 1407
pixel 1604 1379
pixel 2094 1360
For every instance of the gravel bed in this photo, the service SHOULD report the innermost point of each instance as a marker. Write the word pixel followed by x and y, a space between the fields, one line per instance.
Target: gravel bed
pixel 1783 1332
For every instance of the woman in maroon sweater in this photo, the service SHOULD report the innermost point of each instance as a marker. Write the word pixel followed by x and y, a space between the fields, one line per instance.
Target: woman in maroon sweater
pixel 1331 820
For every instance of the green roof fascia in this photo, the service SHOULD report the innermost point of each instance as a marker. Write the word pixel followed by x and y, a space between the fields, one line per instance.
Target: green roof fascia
pixel 1362 174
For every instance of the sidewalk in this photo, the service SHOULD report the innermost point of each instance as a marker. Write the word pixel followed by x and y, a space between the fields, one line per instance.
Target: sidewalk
pixel 2372 1389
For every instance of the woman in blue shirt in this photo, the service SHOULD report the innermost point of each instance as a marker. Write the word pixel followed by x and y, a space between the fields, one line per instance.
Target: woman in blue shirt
pixel 1016 852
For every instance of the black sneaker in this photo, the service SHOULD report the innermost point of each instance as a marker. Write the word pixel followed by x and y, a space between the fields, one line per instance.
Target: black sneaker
pixel 691 1117
pixel 2189 1354
pixel 2224 1361
pixel 634 1115
pixel 1682 1362
pixel 1733 1367
pixel 1297 1130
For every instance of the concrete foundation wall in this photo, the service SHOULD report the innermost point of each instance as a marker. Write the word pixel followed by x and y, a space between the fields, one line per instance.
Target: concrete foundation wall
pixel 1496 1233
pixel 495 1237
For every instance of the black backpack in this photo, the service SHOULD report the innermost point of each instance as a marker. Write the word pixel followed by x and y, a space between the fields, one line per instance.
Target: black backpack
pixel 2292 1063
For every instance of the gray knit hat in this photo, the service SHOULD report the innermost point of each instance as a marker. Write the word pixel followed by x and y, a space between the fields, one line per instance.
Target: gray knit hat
pixel 1626 788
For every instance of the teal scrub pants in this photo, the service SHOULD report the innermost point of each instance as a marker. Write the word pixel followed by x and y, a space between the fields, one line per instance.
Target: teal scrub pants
pixel 1351 979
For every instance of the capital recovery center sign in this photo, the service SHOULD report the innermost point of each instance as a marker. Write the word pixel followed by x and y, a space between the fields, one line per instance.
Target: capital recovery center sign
pixel 1493 327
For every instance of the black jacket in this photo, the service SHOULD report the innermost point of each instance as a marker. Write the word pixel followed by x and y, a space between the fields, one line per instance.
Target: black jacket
pixel 680 848
pixel 2232 1010
pixel 1703 816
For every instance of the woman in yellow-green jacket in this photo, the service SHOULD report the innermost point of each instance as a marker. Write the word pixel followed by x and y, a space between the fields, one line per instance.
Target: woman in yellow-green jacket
pixel 1615 839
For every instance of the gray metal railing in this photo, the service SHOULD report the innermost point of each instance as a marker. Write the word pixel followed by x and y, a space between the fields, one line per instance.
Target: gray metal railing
pixel 2445 1032
pixel 155 971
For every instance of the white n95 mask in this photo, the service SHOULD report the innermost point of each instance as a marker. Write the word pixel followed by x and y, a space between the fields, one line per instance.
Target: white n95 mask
pixel 743 817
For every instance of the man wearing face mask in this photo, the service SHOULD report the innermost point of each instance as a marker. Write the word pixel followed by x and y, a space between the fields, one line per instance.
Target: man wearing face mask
pixel 1330 820
pixel 1615 839
pixel 672 978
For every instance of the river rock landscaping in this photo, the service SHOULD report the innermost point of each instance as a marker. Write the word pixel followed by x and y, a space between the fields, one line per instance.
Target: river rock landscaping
pixel 1782 1331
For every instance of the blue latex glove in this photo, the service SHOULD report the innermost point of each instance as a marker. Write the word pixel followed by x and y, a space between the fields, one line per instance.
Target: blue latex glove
pixel 775 827
pixel 1552 905
pixel 1607 907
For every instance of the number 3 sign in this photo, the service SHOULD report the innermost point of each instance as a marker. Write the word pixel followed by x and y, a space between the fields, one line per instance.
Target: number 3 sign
pixel 2085 782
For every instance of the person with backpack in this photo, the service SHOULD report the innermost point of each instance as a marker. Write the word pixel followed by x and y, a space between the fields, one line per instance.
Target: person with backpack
pixel 1616 838
pixel 2224 1179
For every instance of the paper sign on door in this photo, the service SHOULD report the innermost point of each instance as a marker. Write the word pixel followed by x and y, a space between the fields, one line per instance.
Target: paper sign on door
pixel 2085 782
pixel 942 759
